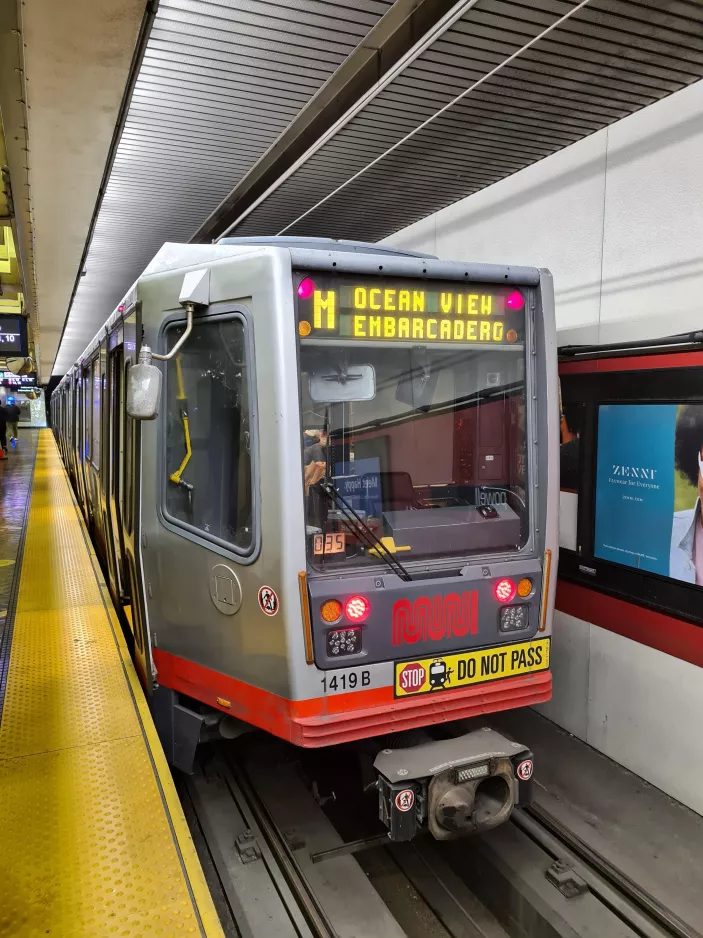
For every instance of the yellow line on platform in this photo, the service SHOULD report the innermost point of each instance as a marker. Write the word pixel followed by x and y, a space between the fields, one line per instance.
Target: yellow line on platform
pixel 93 840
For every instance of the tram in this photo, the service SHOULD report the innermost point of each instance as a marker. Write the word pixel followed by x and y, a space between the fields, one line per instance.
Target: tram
pixel 322 477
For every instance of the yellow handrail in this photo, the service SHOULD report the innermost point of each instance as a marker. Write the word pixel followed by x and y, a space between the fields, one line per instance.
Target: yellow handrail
pixel 181 396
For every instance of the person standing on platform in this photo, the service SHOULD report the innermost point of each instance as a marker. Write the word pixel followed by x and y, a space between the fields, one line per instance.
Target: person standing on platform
pixel 3 432
pixel 12 413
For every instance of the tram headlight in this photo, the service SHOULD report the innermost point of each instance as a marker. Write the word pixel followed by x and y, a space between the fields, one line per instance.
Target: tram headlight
pixel 342 642
pixel 514 618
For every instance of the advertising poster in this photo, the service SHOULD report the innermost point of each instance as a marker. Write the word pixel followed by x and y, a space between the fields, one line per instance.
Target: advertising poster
pixel 647 487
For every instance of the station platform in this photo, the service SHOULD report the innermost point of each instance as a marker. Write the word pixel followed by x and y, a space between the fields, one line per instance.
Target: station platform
pixel 93 840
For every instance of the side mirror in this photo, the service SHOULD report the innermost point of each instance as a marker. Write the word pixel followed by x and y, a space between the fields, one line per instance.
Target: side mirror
pixel 144 388
pixel 144 382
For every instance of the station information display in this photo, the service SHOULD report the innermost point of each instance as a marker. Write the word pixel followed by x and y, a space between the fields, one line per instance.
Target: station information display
pixel 416 311
pixel 13 335
pixel 10 380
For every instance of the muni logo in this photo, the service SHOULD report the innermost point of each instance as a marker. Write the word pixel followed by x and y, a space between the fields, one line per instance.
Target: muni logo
pixel 634 472
pixel 430 619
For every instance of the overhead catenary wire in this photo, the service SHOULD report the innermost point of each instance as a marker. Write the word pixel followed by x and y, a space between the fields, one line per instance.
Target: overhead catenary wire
pixel 433 117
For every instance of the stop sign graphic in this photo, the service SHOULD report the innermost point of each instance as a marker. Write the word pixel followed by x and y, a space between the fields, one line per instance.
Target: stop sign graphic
pixel 412 677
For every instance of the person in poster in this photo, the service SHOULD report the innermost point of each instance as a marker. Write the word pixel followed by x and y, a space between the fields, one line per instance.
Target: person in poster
pixel 570 427
pixel 686 559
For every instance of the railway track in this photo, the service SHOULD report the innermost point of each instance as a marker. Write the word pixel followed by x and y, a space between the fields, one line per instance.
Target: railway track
pixel 278 866
pixel 636 907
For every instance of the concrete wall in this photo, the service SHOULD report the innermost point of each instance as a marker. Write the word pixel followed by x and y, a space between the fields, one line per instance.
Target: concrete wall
pixel 618 218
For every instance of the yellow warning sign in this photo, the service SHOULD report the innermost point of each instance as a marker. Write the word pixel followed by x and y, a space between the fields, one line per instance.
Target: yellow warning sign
pixel 448 672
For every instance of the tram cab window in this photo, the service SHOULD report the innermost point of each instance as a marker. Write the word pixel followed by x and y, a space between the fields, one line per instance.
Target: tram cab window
pixel 434 463
pixel 210 490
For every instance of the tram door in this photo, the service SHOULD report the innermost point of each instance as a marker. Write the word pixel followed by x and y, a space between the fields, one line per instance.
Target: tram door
pixel 104 459
pixel 78 423
pixel 127 491
pixel 115 467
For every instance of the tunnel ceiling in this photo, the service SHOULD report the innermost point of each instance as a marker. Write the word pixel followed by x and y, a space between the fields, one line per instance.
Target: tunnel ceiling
pixel 219 86
pixel 605 62
pixel 218 82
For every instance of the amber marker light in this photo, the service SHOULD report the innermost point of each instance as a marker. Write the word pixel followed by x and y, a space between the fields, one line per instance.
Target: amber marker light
pixel 511 335
pixel 331 610
pixel 304 328
pixel 524 588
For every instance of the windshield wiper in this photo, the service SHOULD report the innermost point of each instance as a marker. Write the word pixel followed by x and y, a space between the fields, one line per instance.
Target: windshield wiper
pixel 367 534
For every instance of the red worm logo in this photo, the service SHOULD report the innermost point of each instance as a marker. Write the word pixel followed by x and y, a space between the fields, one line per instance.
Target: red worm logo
pixel 431 619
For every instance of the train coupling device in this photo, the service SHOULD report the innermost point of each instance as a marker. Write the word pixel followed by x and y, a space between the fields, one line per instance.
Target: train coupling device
pixel 452 787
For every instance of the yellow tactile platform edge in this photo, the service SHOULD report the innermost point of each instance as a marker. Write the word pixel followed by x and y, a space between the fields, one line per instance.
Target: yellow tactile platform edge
pixel 93 840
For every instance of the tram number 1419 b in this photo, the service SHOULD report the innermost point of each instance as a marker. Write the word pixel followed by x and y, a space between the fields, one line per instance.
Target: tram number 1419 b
pixel 349 680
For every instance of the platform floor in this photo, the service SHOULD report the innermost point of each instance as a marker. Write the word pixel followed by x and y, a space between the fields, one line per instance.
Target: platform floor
pixel 92 837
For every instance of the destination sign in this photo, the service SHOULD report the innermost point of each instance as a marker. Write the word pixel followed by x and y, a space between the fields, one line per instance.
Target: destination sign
pixel 394 310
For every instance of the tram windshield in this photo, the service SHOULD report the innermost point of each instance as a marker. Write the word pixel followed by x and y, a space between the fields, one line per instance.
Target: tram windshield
pixel 411 450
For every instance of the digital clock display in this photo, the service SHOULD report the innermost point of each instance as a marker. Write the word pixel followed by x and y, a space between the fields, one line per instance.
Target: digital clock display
pixel 395 310
pixel 12 336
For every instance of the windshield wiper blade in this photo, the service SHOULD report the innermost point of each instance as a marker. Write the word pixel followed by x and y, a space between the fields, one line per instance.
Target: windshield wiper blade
pixel 363 528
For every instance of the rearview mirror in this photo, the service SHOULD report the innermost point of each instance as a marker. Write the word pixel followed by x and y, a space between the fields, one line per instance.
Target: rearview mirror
pixel 342 385
pixel 143 392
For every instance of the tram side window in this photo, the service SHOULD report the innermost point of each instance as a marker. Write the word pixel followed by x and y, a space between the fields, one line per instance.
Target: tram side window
pixel 95 453
pixel 210 491
pixel 87 413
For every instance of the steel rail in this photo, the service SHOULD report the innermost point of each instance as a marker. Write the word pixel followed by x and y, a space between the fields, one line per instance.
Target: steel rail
pixel 610 884
pixel 312 911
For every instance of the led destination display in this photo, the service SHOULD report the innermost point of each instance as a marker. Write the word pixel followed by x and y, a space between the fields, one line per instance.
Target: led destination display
pixel 390 310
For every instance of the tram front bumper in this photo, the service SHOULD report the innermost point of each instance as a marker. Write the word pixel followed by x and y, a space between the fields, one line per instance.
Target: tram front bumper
pixel 453 787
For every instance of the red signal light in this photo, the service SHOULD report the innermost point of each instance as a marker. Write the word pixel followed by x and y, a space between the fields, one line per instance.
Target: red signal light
pixel 306 288
pixel 357 608
pixel 515 300
pixel 505 591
